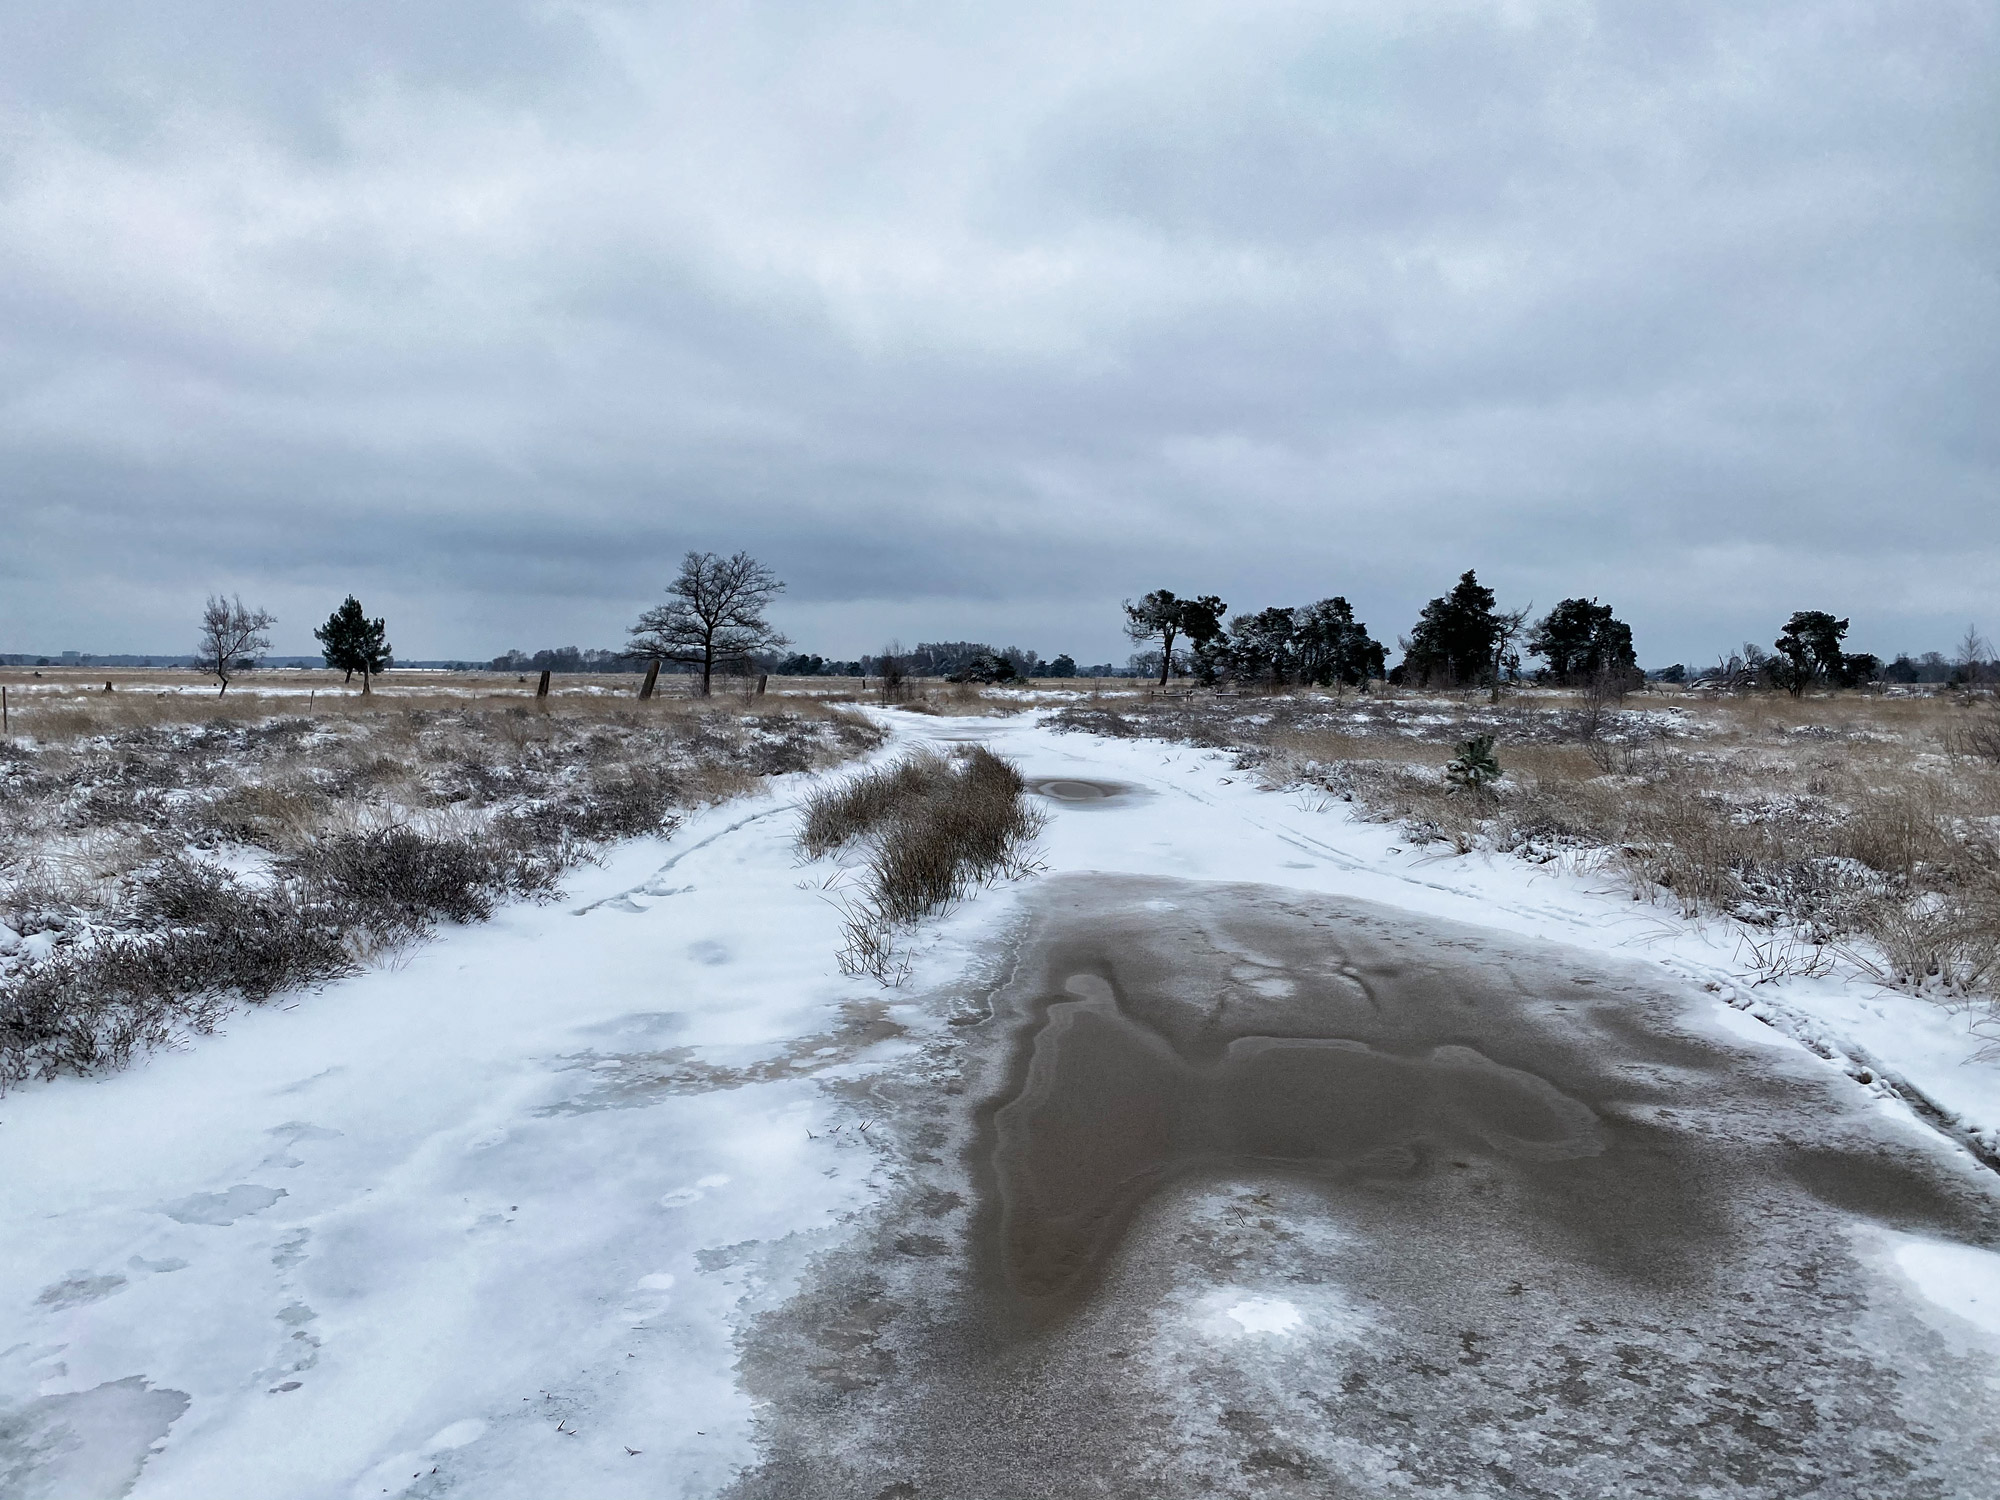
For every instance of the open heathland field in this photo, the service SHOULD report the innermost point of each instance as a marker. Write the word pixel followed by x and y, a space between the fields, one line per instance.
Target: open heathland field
pixel 1866 823
pixel 165 855
pixel 1031 1091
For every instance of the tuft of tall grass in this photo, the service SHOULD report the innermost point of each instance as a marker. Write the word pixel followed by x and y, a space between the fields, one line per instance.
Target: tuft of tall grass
pixel 933 828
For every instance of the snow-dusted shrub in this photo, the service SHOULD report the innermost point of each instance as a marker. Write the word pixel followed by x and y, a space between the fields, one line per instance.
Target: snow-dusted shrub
pixel 1978 733
pixel 968 826
pixel 209 937
pixel 400 880
pixel 1945 945
pixel 1474 768
pixel 840 813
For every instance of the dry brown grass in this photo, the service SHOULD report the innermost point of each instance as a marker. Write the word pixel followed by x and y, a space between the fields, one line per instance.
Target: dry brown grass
pixel 351 823
pixel 1864 821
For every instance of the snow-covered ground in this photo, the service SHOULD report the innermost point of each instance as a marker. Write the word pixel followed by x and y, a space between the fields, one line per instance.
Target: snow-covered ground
pixel 477 1221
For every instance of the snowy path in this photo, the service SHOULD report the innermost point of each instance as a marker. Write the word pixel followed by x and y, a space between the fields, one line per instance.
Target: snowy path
pixel 445 1215
pixel 477 1222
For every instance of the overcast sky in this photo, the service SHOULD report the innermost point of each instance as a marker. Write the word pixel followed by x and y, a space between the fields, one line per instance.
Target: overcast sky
pixel 972 320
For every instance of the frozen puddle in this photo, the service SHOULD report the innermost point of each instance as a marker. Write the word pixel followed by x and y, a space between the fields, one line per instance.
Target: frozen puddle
pixel 1121 1093
pixel 1273 1192
pixel 1078 792
pixel 86 1444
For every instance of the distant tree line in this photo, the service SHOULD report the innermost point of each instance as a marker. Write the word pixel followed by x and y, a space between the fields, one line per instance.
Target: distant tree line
pixel 1314 645
pixel 564 659
pixel 955 661
pixel 1464 639
pixel 714 621
pixel 1931 666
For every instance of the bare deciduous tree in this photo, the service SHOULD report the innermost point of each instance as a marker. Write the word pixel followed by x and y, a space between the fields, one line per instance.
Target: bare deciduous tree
pixel 230 636
pixel 714 614
pixel 894 668
pixel 1507 628
pixel 1973 650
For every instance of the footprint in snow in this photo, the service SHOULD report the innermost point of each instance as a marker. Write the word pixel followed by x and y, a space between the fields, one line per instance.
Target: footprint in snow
pixel 80 1289
pixel 240 1202
pixel 649 1297
pixel 682 1197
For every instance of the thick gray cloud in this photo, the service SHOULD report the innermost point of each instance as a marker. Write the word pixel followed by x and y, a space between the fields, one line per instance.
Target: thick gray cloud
pixel 974 320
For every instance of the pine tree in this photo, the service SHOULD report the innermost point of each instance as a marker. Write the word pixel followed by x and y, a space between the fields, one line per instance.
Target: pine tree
pixel 350 642
pixel 1581 639
pixel 1474 768
pixel 1261 647
pixel 1333 647
pixel 1164 617
pixel 1456 637
pixel 1809 651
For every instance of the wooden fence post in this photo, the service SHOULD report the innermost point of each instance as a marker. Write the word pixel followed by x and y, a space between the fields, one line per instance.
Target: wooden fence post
pixel 3 712
pixel 652 681
pixel 542 687
pixel 762 678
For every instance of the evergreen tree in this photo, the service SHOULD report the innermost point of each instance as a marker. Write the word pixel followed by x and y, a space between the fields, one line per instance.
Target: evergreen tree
pixel 943 658
pixel 1166 618
pixel 1455 638
pixel 1809 651
pixel 1261 647
pixel 350 642
pixel 1581 639
pixel 1474 768
pixel 991 667
pixel 1334 647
